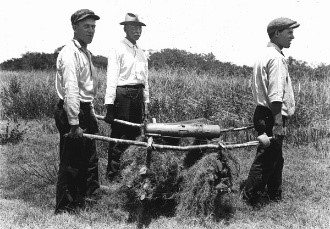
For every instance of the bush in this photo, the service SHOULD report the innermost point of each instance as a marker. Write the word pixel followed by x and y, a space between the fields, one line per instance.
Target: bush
pixel 200 63
pixel 43 61
pixel 12 134
pixel 30 95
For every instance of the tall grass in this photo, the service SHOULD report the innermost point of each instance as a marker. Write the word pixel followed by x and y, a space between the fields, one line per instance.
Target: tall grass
pixel 175 95
pixel 28 95
pixel 178 95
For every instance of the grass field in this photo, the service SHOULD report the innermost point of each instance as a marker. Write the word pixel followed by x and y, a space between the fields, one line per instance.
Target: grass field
pixel 28 167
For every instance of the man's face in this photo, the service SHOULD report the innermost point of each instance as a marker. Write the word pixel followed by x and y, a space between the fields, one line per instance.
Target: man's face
pixel 133 31
pixel 84 30
pixel 284 38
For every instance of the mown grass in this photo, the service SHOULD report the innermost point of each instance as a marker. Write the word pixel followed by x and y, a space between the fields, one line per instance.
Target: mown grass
pixel 28 199
pixel 29 166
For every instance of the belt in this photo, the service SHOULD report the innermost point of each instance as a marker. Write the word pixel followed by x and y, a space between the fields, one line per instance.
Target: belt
pixel 83 105
pixel 137 86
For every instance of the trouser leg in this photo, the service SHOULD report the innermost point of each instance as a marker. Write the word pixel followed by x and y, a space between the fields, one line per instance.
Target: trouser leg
pixel 78 169
pixel 262 171
pixel 128 107
pixel 115 151
pixel 93 171
pixel 266 168
pixel 274 183
pixel 66 191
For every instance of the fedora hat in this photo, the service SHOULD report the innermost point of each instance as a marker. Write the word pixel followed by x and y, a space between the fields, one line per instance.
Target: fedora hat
pixel 132 19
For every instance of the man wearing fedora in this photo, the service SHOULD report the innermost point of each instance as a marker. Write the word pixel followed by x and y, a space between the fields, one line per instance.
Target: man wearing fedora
pixel 76 88
pixel 127 91
pixel 274 99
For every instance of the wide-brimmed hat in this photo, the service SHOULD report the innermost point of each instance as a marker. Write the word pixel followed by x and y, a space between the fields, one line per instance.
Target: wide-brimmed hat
pixel 281 24
pixel 132 19
pixel 83 14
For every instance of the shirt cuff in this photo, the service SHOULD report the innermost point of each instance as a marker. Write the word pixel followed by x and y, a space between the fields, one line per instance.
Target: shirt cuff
pixel 109 100
pixel 73 120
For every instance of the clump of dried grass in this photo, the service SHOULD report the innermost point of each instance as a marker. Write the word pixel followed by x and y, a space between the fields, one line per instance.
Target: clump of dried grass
pixel 205 188
pixel 168 185
pixel 154 186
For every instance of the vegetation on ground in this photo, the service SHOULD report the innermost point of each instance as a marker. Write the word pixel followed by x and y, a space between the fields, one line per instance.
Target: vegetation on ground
pixel 29 147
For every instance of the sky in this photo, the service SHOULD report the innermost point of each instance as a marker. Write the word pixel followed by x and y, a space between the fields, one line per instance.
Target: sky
pixel 233 30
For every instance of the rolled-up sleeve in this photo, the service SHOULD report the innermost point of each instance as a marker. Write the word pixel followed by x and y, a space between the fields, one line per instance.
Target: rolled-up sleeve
pixel 68 64
pixel 277 75
pixel 146 86
pixel 112 76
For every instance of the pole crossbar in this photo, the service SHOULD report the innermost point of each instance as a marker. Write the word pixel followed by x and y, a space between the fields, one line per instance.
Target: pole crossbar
pixel 164 130
pixel 100 117
pixel 220 145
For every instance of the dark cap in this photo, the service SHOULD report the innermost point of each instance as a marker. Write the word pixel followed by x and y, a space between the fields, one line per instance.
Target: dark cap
pixel 132 19
pixel 281 24
pixel 83 14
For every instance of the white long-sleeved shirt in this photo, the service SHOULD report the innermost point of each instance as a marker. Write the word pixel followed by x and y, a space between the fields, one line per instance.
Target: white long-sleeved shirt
pixel 75 79
pixel 127 65
pixel 271 81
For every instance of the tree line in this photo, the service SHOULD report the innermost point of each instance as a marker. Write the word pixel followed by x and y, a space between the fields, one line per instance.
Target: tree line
pixel 168 59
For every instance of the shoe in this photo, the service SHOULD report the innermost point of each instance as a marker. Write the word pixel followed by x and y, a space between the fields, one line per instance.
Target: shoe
pixel 114 177
pixel 94 197
pixel 275 198
pixel 255 202
pixel 242 185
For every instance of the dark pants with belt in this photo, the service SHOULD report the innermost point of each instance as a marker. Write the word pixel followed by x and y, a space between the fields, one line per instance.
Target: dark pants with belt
pixel 266 169
pixel 129 106
pixel 78 168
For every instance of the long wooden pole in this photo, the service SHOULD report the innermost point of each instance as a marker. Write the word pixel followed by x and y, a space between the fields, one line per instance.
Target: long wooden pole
pixel 170 147
pixel 100 117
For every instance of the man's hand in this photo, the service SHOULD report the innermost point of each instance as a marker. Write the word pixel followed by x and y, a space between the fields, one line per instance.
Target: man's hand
pixel 75 132
pixel 263 140
pixel 109 117
pixel 278 130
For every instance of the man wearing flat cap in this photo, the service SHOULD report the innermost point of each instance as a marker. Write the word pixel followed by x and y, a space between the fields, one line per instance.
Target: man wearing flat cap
pixel 76 87
pixel 274 99
pixel 127 91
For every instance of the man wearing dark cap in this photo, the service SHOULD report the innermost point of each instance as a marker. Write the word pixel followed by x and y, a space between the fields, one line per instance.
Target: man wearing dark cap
pixel 74 114
pixel 274 99
pixel 127 91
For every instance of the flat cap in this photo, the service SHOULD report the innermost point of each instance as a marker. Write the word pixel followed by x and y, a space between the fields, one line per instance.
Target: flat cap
pixel 83 14
pixel 132 19
pixel 281 24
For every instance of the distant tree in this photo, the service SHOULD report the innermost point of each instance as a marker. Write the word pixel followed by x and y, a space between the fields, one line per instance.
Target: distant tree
pixel 100 62
pixel 43 61
pixel 12 64
pixel 175 58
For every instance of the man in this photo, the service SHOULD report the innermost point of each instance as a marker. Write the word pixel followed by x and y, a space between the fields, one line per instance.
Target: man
pixel 273 95
pixel 127 92
pixel 76 88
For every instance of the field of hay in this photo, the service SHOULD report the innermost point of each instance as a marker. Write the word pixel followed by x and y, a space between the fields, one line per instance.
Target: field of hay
pixel 29 150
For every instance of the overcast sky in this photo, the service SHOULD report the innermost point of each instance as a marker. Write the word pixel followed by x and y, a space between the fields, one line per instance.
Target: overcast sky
pixel 233 30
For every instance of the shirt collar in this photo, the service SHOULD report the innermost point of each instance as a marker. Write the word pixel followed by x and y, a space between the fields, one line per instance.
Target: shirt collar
pixel 78 45
pixel 271 44
pixel 128 43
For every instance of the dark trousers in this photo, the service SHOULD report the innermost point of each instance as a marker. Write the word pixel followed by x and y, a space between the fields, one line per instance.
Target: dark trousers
pixel 266 169
pixel 129 106
pixel 78 168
